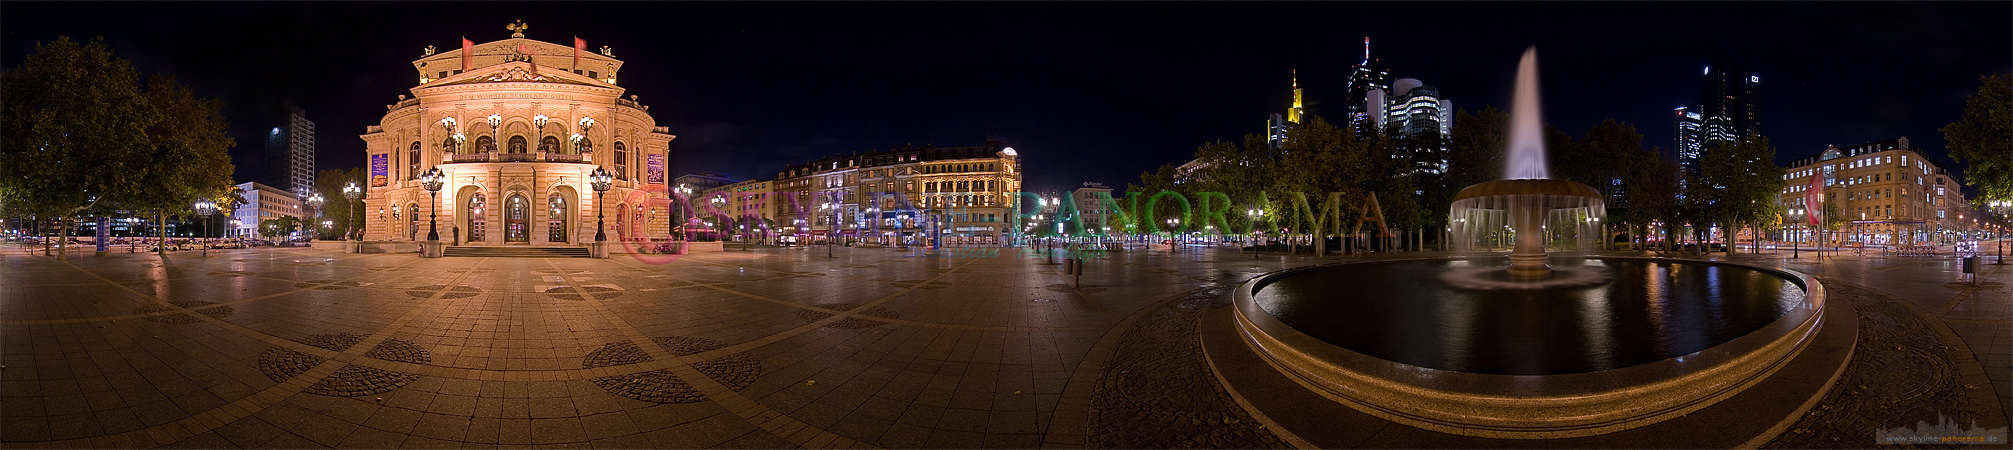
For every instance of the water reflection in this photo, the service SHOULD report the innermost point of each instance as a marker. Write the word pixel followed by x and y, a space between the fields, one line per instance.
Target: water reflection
pixel 1648 311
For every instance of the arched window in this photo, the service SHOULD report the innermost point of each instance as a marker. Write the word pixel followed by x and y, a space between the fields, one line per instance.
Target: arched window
pixel 447 145
pixel 517 144
pixel 548 144
pixel 586 145
pixel 412 162
pixel 621 162
pixel 485 144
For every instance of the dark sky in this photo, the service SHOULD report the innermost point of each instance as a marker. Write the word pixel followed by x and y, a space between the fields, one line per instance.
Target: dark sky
pixel 1085 91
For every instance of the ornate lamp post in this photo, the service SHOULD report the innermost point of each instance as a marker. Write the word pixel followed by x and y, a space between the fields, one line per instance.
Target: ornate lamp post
pixel 831 229
pixel 204 209
pixel 599 180
pixel 431 180
pixel 353 193
pixel 315 208
pixel 494 121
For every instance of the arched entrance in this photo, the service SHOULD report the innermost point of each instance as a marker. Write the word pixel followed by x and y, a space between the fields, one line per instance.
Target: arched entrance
pixel 412 223
pixel 475 218
pixel 517 144
pixel 620 232
pixel 517 219
pixel 556 220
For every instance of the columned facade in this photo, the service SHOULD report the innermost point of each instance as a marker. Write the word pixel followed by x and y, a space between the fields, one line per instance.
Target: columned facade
pixel 515 135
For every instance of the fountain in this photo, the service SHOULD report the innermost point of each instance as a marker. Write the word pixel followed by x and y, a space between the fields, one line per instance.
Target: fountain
pixel 1526 201
pixel 1545 346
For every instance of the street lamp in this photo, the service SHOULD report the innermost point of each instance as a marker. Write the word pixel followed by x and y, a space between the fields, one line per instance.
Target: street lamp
pixel 431 180
pixel 353 193
pixel 831 228
pixel 315 205
pixel 204 209
pixel 599 180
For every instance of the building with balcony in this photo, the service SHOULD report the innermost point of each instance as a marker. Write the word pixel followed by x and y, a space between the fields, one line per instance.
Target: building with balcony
pixel 1886 193
pixel 746 203
pixel 515 126
pixel 891 195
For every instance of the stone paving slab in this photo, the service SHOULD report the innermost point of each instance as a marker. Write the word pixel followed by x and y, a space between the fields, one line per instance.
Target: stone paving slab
pixel 303 348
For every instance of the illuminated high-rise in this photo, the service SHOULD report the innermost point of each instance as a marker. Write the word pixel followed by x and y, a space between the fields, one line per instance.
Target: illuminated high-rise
pixel 290 152
pixel 1369 76
pixel 1422 119
pixel 1275 125
pixel 1689 145
pixel 1727 104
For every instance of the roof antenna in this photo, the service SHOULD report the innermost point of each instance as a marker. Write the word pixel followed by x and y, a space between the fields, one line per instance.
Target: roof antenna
pixel 1366 49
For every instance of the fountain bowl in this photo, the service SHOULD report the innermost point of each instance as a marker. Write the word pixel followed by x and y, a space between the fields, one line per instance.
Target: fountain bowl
pixel 1559 402
pixel 1528 216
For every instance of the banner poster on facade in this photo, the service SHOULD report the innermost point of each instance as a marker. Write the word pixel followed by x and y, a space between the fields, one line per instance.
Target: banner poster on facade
pixel 380 169
pixel 653 168
pixel 105 232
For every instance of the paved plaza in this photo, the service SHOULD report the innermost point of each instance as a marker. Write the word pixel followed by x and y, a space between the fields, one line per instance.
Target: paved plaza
pixel 775 348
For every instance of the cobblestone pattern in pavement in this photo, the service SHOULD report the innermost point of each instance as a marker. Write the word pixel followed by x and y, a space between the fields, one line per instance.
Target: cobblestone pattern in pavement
pixel 179 318
pixel 849 323
pixel 1157 391
pixel 1899 374
pixel 735 371
pixel 774 348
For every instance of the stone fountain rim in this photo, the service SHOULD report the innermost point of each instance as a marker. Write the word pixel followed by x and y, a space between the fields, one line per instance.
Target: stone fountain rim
pixel 1529 406
pixel 1527 187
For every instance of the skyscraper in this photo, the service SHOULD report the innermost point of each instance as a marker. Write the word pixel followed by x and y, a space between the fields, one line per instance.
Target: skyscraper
pixel 1727 104
pixel 1369 76
pixel 1422 119
pixel 1275 125
pixel 1689 146
pixel 290 152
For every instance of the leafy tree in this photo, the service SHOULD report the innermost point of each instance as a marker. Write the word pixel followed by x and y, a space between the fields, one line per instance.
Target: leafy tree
pixel 277 227
pixel 1475 151
pixel 189 157
pixel 1983 138
pixel 335 207
pixel 73 126
pixel 1652 182
pixel 1738 184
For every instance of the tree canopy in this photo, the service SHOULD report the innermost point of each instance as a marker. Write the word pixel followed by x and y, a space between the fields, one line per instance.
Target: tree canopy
pixel 73 129
pixel 79 132
pixel 1983 138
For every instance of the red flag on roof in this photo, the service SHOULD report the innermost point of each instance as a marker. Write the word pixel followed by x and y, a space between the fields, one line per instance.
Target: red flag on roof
pixel 467 53
pixel 578 46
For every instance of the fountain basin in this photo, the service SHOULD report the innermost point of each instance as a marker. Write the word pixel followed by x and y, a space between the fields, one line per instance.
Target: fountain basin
pixel 1556 402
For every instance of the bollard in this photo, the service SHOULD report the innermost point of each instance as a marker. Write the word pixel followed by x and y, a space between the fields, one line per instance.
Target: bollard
pixel 1076 268
pixel 1971 268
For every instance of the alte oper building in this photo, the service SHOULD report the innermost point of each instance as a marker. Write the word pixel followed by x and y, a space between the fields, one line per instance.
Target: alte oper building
pixel 515 126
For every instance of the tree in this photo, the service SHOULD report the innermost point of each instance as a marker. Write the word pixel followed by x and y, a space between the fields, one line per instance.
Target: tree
pixel 188 158
pixel 72 123
pixel 1738 184
pixel 337 208
pixel 1983 138
pixel 1653 190
pixel 281 226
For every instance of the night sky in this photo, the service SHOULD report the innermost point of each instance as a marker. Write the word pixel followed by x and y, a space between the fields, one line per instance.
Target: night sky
pixel 1085 91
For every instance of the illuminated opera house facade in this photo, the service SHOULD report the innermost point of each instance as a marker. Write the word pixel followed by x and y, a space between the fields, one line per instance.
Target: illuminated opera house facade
pixel 515 127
